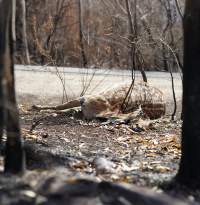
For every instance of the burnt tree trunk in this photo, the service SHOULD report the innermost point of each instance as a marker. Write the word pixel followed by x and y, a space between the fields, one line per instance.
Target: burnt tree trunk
pixel 83 55
pixel 189 171
pixel 133 35
pixel 9 116
pixel 24 34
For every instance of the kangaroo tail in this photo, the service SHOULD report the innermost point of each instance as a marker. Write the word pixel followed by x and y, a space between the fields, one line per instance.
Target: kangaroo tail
pixel 67 105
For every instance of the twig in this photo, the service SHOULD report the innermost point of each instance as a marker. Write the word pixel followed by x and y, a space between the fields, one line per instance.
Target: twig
pixel 171 74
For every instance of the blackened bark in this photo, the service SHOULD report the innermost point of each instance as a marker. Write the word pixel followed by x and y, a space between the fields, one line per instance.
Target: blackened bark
pixel 14 159
pixel 189 171
pixel 133 35
pixel 83 55
pixel 24 35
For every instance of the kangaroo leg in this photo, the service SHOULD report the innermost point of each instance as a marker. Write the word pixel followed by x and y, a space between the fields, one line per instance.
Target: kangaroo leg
pixel 67 105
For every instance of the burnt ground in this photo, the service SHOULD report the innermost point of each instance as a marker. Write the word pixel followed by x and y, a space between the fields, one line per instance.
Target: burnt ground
pixel 74 161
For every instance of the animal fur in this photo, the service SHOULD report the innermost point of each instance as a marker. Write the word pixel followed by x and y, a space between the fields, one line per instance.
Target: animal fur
pixel 109 102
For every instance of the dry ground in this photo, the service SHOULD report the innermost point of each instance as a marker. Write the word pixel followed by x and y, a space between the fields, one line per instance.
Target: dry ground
pixel 60 146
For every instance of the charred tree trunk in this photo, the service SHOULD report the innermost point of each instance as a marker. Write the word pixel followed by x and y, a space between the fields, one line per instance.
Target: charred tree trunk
pixel 189 170
pixel 24 35
pixel 14 159
pixel 133 35
pixel 83 55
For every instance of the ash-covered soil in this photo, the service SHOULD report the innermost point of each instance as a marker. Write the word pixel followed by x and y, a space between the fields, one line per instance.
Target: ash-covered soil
pixel 69 159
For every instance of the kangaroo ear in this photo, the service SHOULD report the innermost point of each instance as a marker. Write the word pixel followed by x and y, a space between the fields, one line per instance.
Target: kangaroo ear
pixel 82 100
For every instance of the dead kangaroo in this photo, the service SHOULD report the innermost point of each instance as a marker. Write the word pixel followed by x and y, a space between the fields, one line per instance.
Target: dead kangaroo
pixel 108 103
